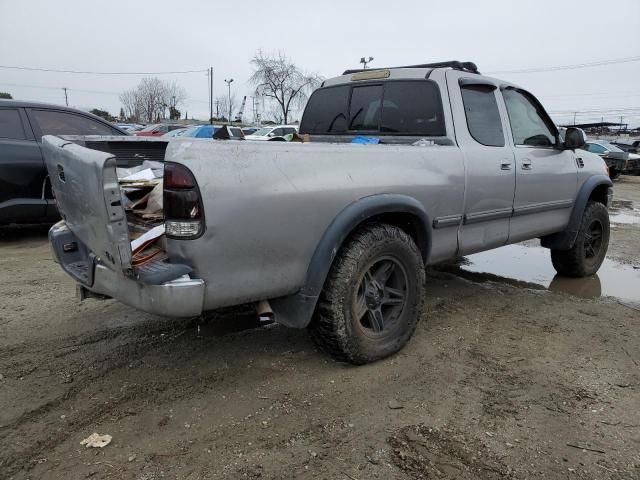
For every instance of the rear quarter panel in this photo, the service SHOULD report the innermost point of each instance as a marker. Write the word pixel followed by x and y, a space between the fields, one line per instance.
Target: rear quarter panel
pixel 267 205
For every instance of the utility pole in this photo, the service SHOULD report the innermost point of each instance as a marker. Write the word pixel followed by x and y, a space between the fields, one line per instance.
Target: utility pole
pixel 228 82
pixel 210 75
pixel 364 61
pixel 574 118
pixel 66 99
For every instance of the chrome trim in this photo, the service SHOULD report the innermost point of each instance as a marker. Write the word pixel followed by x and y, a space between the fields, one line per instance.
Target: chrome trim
pixel 487 215
pixel 542 207
pixel 447 221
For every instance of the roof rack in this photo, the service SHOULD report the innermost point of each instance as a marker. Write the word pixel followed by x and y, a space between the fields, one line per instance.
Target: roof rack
pixel 455 64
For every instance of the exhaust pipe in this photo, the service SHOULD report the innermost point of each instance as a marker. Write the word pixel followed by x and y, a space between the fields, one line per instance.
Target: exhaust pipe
pixel 264 312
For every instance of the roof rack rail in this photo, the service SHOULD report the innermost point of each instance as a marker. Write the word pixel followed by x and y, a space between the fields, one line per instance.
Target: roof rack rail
pixel 455 64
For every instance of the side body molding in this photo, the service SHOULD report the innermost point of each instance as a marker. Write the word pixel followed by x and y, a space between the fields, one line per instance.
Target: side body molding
pixel 564 240
pixel 296 310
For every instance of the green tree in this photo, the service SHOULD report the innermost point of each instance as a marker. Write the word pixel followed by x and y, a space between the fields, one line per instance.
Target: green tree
pixel 174 113
pixel 5 95
pixel 103 113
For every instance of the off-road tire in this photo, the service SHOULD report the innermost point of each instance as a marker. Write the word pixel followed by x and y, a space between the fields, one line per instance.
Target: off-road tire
pixel 335 328
pixel 580 260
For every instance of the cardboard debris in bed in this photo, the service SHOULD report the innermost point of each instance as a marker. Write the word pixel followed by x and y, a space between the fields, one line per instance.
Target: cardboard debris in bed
pixel 141 189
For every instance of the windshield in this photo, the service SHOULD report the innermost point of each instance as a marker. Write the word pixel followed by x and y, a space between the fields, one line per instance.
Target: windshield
pixel 150 128
pixel 262 132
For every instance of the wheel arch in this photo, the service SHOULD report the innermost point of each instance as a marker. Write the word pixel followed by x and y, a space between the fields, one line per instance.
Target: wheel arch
pixel 595 188
pixel 402 211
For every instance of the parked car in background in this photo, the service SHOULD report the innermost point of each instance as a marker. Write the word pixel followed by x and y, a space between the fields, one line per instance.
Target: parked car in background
pixel 227 132
pixel 617 160
pixel 275 133
pixel 25 192
pixel 156 130
pixel 200 131
pixel 129 127
pixel 249 130
pixel 175 133
pixel 630 146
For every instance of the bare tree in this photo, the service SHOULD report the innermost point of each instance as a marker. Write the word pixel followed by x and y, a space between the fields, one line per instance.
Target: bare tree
pixel 221 106
pixel 277 77
pixel 151 98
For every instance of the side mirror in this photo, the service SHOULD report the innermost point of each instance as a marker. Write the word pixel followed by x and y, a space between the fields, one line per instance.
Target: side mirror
pixel 574 138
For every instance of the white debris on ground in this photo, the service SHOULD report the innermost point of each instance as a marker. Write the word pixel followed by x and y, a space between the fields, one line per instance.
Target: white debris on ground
pixel 96 440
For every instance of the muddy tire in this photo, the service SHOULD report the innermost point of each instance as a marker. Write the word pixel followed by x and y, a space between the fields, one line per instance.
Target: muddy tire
pixel 372 298
pixel 591 244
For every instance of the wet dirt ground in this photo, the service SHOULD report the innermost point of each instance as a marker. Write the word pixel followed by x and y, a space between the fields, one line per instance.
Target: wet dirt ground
pixel 506 378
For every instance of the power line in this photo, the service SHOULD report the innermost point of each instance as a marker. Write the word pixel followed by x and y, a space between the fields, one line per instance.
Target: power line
pixel 568 67
pixel 35 69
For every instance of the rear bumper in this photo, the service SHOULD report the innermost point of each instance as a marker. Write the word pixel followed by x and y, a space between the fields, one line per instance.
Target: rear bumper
pixel 182 297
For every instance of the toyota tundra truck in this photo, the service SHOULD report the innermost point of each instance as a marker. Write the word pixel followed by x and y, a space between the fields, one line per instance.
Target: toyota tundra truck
pixel 398 169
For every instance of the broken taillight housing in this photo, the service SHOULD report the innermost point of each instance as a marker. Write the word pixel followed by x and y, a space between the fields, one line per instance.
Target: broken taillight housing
pixel 182 203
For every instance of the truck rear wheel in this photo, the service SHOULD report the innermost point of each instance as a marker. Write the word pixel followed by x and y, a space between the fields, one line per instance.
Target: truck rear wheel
pixel 590 248
pixel 372 298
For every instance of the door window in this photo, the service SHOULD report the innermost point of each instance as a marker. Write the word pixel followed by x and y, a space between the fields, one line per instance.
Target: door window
pixel 278 132
pixel 530 125
pixel 11 124
pixel 483 117
pixel 53 122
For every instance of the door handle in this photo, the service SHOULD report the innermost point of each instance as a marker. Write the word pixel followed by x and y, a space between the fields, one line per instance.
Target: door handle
pixel 505 165
pixel 526 164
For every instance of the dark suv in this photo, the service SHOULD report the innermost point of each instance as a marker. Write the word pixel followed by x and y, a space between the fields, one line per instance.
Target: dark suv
pixel 25 193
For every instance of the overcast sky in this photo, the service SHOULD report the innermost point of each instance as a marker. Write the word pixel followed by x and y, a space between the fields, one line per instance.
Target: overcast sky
pixel 325 37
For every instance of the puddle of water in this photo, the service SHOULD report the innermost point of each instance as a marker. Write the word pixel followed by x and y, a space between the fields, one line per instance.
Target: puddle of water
pixel 622 212
pixel 533 265
pixel 625 218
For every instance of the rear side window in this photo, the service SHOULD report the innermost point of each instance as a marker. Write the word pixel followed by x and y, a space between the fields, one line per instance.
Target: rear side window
pixel 412 108
pixel 11 124
pixel 402 107
pixel 483 117
pixel 54 122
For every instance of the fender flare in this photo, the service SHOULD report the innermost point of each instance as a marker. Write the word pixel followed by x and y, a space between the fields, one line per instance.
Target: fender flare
pixel 564 240
pixel 296 310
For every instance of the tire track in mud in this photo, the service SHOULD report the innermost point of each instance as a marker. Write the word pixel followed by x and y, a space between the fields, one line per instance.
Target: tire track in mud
pixel 87 366
pixel 108 366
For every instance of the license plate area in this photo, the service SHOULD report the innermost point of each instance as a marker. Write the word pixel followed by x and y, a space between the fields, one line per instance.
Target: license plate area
pixel 73 255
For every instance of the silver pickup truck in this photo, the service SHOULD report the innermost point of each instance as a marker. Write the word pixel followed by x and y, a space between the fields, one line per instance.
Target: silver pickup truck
pixel 399 168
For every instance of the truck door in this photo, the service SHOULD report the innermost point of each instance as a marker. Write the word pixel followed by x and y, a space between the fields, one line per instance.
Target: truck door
pixel 481 128
pixel 546 176
pixel 22 170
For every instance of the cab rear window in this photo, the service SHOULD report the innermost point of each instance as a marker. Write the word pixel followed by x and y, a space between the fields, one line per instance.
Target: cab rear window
pixel 401 107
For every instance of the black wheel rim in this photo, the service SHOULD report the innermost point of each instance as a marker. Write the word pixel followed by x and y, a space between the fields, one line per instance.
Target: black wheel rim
pixel 381 296
pixel 593 239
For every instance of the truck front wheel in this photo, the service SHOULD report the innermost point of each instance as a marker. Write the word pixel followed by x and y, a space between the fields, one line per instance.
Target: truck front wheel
pixel 373 296
pixel 590 247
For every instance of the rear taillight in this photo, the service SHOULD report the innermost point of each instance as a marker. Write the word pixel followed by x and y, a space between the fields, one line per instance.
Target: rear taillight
pixel 182 204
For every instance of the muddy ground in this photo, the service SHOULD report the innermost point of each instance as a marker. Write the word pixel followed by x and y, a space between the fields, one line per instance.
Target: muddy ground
pixel 503 379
